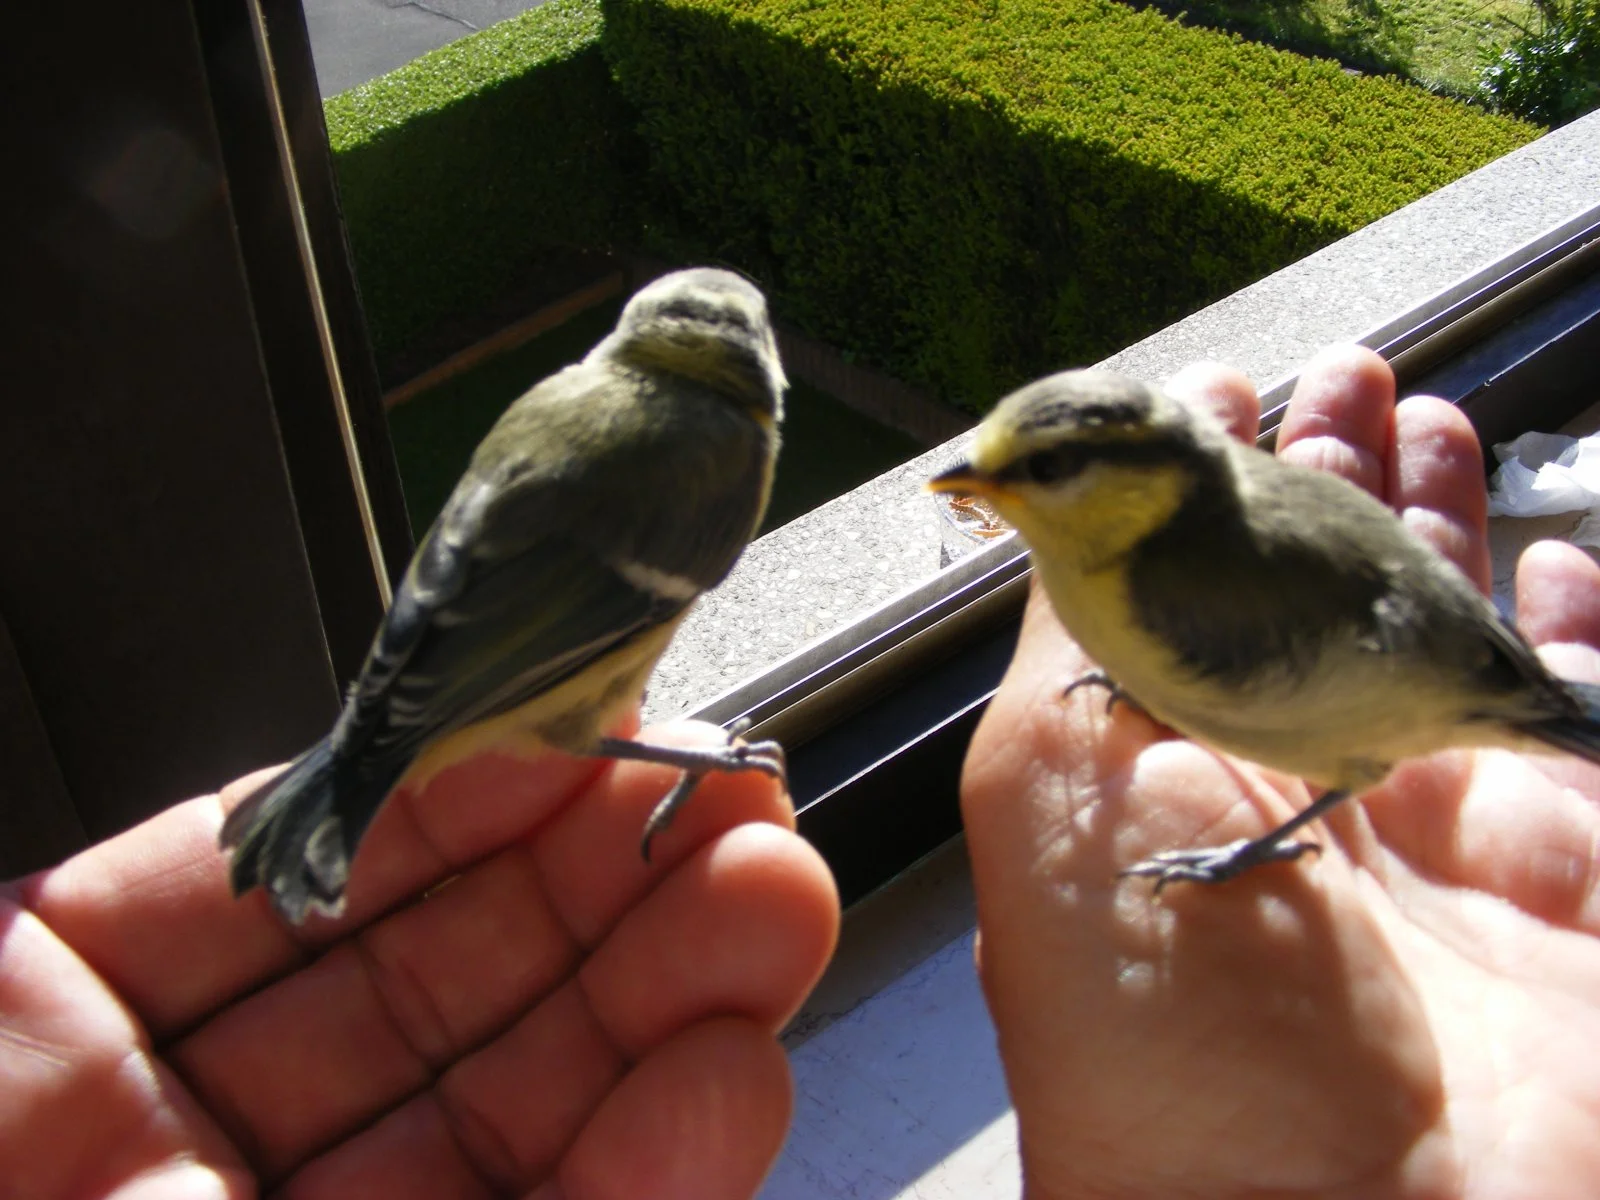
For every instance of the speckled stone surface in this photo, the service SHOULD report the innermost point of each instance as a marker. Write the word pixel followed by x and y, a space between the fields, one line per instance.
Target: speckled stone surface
pixel 847 557
pixel 804 580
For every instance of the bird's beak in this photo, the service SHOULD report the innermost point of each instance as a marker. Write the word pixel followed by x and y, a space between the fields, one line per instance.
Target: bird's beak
pixel 960 480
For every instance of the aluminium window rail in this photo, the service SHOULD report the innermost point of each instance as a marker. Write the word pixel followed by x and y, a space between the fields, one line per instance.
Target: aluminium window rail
pixel 1449 322
pixel 877 715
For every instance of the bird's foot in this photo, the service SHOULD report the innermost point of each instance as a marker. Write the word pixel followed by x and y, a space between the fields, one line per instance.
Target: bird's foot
pixel 1218 864
pixel 1101 679
pixel 765 756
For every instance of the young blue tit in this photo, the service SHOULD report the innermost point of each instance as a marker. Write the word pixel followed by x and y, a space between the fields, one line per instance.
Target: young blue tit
pixel 1270 611
pixel 601 504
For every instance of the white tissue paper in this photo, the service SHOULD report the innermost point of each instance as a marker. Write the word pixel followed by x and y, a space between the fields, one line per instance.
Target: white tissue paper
pixel 1543 474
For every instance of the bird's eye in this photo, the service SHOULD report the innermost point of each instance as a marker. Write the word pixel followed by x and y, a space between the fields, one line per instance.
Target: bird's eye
pixel 1044 466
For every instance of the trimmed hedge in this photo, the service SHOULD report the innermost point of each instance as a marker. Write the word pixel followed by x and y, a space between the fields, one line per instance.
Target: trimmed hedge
pixel 457 169
pixel 967 193
pixel 972 192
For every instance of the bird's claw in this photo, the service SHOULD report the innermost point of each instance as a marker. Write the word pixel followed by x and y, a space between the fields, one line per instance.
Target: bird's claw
pixel 765 756
pixel 1217 864
pixel 667 808
pixel 1101 679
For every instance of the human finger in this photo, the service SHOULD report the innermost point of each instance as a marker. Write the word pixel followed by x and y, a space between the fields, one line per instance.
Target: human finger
pixel 305 1063
pixel 703 1117
pixel 86 1104
pixel 138 905
pixel 1224 392
pixel 743 929
pixel 588 854
pixel 744 926
pixel 151 910
pixel 1558 595
pixel 1341 417
pixel 1436 483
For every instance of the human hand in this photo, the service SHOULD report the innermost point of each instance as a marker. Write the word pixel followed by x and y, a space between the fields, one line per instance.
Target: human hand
pixel 1415 1012
pixel 560 1019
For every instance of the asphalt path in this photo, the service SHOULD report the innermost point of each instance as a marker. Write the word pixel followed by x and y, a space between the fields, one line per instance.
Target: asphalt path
pixel 353 41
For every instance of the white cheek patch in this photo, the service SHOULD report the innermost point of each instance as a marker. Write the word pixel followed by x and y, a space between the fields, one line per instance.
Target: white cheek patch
pixel 658 582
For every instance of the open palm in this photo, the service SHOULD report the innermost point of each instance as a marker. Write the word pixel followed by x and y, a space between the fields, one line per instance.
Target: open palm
pixel 1415 1012
pixel 552 1017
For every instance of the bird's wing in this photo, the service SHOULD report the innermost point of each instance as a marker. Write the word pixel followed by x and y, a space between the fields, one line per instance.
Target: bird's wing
pixel 515 630
pixel 1240 604
pixel 525 580
pixel 1425 611
pixel 1510 666
pixel 694 472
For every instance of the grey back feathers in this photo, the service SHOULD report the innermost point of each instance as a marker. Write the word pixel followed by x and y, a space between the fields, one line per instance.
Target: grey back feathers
pixel 1260 595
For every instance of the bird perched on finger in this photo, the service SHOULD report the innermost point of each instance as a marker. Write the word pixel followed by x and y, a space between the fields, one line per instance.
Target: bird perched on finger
pixel 1271 611
pixel 595 511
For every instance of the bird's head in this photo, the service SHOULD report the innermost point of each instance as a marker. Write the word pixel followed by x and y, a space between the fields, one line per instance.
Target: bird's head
pixel 1087 462
pixel 708 325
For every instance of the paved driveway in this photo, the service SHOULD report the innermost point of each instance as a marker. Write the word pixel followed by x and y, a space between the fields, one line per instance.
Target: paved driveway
pixel 355 40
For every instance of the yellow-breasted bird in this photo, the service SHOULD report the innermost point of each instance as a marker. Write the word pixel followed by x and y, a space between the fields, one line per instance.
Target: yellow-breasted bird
pixel 1268 610
pixel 602 503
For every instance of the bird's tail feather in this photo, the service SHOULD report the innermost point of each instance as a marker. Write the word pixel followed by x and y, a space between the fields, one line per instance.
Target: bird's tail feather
pixel 1575 735
pixel 296 834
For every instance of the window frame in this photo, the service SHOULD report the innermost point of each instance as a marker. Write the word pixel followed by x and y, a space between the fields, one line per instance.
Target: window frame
pixel 315 347
pixel 191 573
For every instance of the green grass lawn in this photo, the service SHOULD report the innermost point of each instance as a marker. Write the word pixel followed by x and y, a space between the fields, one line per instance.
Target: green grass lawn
pixel 1435 42
pixel 827 448
pixel 1449 37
